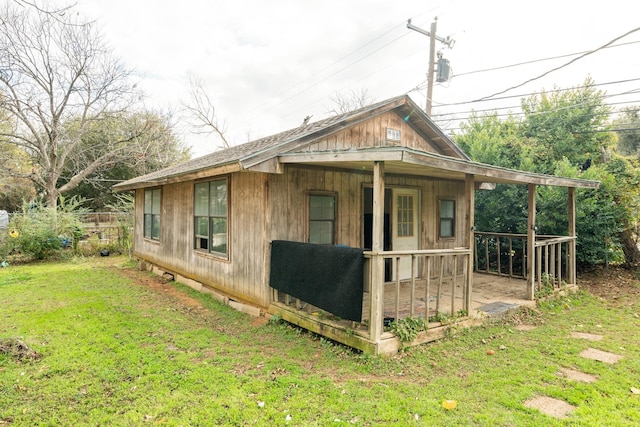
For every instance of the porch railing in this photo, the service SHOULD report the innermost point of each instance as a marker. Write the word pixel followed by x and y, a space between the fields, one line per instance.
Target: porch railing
pixel 505 254
pixel 555 260
pixel 437 278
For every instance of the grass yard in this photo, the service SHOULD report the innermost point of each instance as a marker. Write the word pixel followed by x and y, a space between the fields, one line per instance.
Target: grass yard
pixel 119 347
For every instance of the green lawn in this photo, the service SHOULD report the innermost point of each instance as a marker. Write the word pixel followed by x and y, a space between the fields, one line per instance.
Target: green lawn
pixel 119 348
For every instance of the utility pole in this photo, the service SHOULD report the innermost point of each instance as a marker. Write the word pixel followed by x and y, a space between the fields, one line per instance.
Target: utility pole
pixel 432 49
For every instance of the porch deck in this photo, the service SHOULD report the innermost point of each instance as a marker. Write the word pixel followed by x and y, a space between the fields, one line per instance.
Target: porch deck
pixel 491 295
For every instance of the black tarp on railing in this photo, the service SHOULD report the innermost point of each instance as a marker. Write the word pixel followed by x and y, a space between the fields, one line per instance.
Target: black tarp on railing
pixel 328 277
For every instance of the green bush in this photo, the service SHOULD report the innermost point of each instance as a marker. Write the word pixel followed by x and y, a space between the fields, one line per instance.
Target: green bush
pixel 40 232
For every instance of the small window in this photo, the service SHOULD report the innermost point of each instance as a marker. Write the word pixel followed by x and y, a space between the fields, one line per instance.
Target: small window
pixel 211 217
pixel 152 203
pixel 447 218
pixel 393 134
pixel 322 219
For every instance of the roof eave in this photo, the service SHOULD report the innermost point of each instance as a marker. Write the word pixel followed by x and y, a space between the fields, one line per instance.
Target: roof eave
pixel 432 161
pixel 201 173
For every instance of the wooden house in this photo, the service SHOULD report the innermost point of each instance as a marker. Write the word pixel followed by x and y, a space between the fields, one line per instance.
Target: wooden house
pixel 343 225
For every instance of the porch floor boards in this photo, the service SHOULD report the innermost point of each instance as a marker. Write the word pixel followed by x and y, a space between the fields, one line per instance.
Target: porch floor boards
pixel 499 291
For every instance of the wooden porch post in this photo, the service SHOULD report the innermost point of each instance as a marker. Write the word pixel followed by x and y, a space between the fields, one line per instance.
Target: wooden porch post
pixel 571 247
pixel 469 190
pixel 531 242
pixel 377 261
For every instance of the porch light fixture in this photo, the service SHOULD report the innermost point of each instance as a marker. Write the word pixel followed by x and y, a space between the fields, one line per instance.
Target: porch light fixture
pixel 487 186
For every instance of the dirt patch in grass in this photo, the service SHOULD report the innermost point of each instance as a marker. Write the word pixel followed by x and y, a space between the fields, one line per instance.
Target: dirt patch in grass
pixel 18 350
pixel 161 285
pixel 617 285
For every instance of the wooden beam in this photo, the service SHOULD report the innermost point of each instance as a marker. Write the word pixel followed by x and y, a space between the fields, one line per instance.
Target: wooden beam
pixel 571 246
pixel 268 166
pixel 377 262
pixel 469 197
pixel 432 163
pixel 531 242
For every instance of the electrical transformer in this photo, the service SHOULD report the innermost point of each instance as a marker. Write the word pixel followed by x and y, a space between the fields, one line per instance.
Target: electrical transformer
pixel 443 70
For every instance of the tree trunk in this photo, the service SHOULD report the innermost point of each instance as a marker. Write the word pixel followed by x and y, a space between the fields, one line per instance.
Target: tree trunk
pixel 630 248
pixel 52 197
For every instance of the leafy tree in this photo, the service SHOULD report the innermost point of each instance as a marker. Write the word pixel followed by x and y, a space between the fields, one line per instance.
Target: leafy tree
pixel 567 124
pixel 629 132
pixel 154 149
pixel 563 134
pixel 623 186
pixel 58 79
pixel 487 139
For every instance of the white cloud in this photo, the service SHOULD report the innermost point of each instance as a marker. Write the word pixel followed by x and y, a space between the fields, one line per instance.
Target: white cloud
pixel 269 64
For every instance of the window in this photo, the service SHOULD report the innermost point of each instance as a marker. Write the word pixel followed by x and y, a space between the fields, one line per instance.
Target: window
pixel 211 217
pixel 322 219
pixel 405 215
pixel 393 134
pixel 152 214
pixel 447 218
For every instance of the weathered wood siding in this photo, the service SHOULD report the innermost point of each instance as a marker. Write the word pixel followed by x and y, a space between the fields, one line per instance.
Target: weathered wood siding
pixel 288 199
pixel 266 207
pixel 240 276
pixel 373 133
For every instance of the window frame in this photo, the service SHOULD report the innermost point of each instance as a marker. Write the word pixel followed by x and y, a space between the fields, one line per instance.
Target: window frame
pixel 405 215
pixel 393 134
pixel 449 219
pixel 334 221
pixel 203 243
pixel 150 216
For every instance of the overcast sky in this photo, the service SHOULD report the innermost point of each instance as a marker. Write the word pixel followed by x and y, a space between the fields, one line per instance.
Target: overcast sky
pixel 268 64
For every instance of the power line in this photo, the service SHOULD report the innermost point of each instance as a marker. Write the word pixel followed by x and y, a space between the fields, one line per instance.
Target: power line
pixel 522 113
pixel 534 93
pixel 608 130
pixel 444 118
pixel 564 65
pixel 503 67
pixel 318 73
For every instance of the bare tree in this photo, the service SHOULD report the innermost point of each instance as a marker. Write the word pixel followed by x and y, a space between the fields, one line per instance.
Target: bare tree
pixel 58 77
pixel 200 108
pixel 345 102
pixel 55 12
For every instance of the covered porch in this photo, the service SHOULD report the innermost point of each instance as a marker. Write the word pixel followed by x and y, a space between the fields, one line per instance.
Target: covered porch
pixel 438 295
pixel 487 274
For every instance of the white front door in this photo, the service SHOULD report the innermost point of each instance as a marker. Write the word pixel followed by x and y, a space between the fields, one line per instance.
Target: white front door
pixel 405 227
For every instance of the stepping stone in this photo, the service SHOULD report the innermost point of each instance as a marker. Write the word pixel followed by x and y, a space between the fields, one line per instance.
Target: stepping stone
pixel 586 336
pixel 600 356
pixel 497 308
pixel 577 375
pixel 549 406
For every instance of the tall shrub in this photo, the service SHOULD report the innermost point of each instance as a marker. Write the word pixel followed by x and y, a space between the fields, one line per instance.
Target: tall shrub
pixel 40 232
